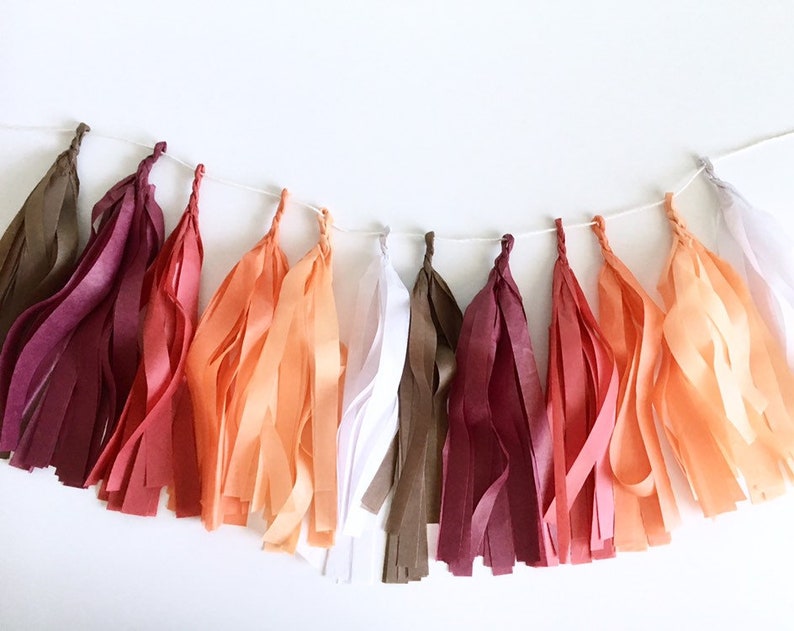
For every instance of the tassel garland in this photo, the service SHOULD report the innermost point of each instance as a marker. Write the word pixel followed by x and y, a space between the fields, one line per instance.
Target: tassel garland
pixel 432 416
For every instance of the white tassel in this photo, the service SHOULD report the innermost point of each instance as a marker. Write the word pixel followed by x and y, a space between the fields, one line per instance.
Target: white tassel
pixel 376 356
pixel 755 243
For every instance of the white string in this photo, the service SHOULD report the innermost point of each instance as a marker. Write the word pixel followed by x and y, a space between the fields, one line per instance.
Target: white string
pixel 412 235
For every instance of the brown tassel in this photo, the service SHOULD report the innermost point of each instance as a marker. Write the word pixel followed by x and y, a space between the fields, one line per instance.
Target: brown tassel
pixel 39 248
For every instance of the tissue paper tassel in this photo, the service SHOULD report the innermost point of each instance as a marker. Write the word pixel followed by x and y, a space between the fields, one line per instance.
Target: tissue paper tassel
pixel 582 398
pixel 69 361
pixel 724 392
pixel 497 457
pixel 755 243
pixel 645 507
pixel 375 358
pixel 222 366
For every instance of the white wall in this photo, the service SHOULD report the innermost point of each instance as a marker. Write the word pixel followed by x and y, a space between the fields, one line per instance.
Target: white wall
pixel 468 118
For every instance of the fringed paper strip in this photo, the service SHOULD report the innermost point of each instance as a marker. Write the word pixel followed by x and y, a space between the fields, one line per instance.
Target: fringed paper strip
pixel 283 461
pixel 375 359
pixel 69 361
pixel 724 392
pixel 39 248
pixel 222 365
pixel 755 243
pixel 582 398
pixel 498 474
pixel 153 445
pixel 645 507
pixel 413 467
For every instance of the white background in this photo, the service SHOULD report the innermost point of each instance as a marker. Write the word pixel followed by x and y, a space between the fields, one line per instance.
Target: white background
pixel 467 118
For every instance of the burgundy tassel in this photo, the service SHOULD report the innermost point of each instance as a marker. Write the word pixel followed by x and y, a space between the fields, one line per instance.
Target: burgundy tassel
pixel 69 361
pixel 497 457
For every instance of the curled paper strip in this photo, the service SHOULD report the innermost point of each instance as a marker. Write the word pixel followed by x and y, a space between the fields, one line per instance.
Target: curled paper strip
pixel 375 359
pixel 582 398
pixel 69 361
pixel 413 467
pixel 38 249
pixel 645 507
pixel 498 453
pixel 283 461
pixel 223 365
pixel 755 243
pixel 724 391
pixel 153 445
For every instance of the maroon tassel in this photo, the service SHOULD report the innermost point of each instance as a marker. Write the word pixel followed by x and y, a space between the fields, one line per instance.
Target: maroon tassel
pixel 69 361
pixel 497 457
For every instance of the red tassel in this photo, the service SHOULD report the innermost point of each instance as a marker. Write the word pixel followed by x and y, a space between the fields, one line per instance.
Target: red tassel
pixel 497 457
pixel 69 361
pixel 582 395
pixel 154 445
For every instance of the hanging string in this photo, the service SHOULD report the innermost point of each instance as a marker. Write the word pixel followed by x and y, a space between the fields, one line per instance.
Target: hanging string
pixel 416 235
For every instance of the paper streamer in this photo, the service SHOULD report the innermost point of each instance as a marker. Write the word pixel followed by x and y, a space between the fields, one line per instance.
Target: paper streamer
pixel 498 474
pixel 69 361
pixel 375 359
pixel 283 461
pixel 413 467
pixel 582 399
pixel 755 243
pixel 39 248
pixel 222 365
pixel 724 391
pixel 153 445
pixel 645 507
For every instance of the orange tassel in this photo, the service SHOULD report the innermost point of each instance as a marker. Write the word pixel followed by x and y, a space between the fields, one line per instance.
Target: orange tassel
pixel 220 363
pixel 724 392
pixel 645 507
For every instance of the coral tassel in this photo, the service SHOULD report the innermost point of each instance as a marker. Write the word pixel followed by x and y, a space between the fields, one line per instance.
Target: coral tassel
pixel 582 394
pixel 645 507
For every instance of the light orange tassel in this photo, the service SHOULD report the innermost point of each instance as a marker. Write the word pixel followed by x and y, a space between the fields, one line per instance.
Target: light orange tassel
pixel 284 456
pixel 645 507
pixel 724 392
